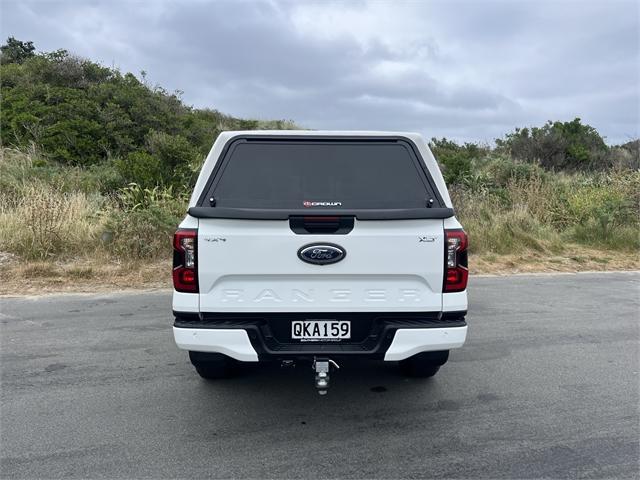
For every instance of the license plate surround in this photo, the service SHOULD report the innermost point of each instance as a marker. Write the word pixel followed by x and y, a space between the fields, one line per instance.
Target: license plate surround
pixel 320 330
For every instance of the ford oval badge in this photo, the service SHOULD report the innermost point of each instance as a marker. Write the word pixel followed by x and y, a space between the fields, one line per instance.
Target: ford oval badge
pixel 321 253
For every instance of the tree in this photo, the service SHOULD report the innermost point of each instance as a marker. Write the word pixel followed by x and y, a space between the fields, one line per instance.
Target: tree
pixel 16 51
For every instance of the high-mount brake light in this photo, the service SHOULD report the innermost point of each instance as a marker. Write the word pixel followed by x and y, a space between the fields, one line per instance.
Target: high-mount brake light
pixel 456 272
pixel 185 260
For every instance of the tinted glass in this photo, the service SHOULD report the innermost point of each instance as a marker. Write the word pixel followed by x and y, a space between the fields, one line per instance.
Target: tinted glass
pixel 344 175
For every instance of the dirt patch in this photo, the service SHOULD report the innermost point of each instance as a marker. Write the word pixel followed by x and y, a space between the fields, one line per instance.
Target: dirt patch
pixel 32 278
pixel 575 260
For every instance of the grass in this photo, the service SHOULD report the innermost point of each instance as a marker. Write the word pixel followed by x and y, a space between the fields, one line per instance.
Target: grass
pixel 69 228
pixel 43 222
pixel 552 213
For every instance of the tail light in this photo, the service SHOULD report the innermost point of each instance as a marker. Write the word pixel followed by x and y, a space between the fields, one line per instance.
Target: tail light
pixel 456 271
pixel 185 260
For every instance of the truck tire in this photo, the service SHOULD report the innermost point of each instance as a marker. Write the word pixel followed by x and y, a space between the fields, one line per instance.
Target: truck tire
pixel 425 364
pixel 212 366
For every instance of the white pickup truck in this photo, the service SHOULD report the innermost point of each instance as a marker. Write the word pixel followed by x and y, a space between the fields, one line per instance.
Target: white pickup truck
pixel 319 246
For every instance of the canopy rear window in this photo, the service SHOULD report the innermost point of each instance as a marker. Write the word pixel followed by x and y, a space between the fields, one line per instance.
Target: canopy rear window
pixel 320 174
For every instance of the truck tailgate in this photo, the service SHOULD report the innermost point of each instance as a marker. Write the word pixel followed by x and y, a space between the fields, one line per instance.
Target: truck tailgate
pixel 253 266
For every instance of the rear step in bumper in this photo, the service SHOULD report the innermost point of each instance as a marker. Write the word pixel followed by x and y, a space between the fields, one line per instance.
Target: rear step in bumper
pixel 232 342
pixel 235 342
pixel 409 341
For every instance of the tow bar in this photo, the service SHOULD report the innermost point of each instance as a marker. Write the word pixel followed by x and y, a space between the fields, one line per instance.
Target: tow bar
pixel 322 366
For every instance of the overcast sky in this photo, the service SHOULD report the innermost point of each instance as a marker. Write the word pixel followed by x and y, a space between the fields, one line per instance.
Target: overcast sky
pixel 469 70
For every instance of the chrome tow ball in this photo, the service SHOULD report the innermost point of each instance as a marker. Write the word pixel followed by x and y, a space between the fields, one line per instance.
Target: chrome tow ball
pixel 322 366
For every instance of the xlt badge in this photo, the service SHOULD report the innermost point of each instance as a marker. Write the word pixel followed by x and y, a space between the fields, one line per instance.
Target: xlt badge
pixel 426 238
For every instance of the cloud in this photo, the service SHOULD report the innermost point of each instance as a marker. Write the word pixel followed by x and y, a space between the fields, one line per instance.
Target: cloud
pixel 466 70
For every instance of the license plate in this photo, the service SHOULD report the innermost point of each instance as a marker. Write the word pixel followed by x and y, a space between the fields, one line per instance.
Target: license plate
pixel 315 330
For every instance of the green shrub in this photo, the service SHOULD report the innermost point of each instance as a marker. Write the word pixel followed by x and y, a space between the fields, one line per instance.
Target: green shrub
pixel 558 146
pixel 456 160
pixel 606 212
pixel 503 170
pixel 141 168
pixel 104 178
pixel 15 51
pixel 178 157
pixel 18 170
pixel 141 233
pixel 144 221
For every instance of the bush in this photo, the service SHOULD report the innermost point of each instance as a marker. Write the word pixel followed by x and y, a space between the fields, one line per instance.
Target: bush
pixel 558 146
pixel 626 157
pixel 15 51
pixel 503 171
pixel 141 168
pixel 177 156
pixel 456 160
pixel 142 221
pixel 18 170
pixel 142 233
pixel 605 212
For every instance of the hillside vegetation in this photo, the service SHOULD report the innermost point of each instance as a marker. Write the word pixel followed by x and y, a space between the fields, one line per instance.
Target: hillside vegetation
pixel 96 167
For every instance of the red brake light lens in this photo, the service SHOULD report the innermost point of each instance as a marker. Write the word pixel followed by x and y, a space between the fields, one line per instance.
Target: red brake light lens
pixel 185 260
pixel 456 272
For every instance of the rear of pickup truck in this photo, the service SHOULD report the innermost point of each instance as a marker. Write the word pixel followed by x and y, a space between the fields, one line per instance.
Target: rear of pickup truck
pixel 319 246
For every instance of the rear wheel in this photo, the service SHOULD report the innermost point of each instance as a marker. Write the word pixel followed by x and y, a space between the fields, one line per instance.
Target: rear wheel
pixel 213 366
pixel 425 364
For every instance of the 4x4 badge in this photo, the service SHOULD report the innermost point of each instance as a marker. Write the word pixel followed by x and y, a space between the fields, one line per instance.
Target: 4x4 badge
pixel 214 239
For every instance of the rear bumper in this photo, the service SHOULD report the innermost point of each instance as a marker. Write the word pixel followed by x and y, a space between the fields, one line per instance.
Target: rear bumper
pixel 390 338
pixel 409 341
pixel 232 342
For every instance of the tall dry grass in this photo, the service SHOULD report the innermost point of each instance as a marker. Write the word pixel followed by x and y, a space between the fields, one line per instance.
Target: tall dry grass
pixel 553 212
pixel 53 212
pixel 43 222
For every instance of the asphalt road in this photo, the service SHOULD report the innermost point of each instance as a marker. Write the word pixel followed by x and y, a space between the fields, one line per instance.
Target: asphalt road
pixel 547 386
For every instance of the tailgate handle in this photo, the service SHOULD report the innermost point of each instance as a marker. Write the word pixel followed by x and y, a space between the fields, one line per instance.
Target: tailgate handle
pixel 319 225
